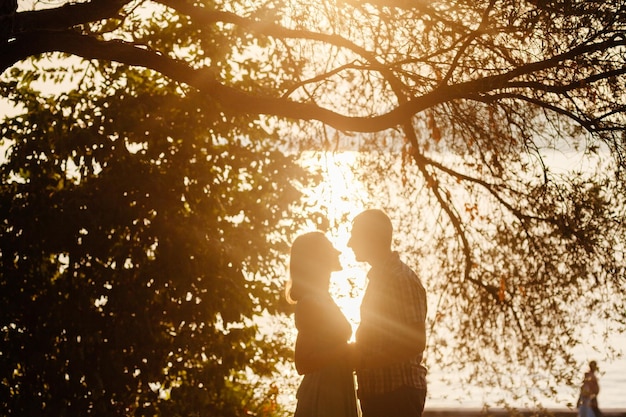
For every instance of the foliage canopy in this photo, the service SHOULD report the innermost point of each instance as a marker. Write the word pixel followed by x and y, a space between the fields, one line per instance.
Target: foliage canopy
pixel 158 163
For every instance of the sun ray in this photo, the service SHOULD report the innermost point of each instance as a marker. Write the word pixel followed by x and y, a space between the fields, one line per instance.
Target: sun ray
pixel 340 196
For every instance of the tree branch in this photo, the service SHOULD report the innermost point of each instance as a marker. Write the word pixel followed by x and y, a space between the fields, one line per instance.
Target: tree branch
pixel 500 80
pixel 203 16
pixel 562 89
pixel 33 43
pixel 470 38
pixel 60 18
pixel 589 126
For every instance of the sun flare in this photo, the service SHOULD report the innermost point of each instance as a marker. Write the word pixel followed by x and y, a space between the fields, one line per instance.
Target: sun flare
pixel 341 197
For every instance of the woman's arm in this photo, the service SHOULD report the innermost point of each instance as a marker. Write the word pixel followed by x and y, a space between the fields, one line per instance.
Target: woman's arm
pixel 310 357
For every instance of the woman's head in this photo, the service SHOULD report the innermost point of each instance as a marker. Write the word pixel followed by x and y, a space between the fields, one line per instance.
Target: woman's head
pixel 312 260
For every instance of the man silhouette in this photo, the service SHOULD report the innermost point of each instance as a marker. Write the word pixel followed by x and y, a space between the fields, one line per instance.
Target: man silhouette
pixel 391 338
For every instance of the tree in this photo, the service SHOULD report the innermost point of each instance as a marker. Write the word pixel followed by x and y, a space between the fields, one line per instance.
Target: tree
pixel 133 270
pixel 465 95
pixel 142 234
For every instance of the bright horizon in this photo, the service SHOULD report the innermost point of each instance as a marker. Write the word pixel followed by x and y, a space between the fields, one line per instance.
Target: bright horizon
pixel 345 197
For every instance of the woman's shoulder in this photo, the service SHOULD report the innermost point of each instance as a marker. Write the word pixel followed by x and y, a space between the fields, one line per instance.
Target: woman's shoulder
pixel 316 311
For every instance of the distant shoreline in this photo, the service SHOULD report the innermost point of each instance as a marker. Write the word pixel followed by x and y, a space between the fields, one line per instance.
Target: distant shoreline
pixel 522 412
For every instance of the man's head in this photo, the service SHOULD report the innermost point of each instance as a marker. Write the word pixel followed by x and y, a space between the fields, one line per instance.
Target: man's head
pixel 370 239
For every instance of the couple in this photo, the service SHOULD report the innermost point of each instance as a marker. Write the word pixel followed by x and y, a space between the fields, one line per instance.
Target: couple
pixel 390 340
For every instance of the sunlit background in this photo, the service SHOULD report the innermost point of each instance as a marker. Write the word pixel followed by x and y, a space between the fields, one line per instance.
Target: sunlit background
pixel 341 196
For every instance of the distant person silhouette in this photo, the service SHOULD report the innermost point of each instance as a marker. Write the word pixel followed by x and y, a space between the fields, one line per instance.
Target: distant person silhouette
pixel 391 337
pixel 322 350
pixel 588 398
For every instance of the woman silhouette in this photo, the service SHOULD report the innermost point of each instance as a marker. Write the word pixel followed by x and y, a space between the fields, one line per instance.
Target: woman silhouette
pixel 322 349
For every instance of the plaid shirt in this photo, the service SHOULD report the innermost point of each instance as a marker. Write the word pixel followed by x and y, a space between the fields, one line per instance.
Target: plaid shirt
pixel 394 300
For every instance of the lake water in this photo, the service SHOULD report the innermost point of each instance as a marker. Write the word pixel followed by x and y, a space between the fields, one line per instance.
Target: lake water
pixel 612 380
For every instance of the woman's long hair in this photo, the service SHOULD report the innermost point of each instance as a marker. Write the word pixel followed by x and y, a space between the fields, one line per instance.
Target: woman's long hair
pixel 309 265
